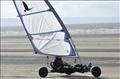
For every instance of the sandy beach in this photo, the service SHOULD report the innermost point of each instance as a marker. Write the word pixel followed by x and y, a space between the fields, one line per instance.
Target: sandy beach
pixel 18 60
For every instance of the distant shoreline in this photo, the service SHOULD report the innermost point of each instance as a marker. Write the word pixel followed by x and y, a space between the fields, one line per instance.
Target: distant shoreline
pixel 80 26
pixel 67 20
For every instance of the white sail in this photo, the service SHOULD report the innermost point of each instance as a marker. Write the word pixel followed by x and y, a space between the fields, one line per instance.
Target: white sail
pixel 46 34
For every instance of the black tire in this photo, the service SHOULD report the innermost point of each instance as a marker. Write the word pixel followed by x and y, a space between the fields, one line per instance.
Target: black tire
pixel 96 71
pixel 43 72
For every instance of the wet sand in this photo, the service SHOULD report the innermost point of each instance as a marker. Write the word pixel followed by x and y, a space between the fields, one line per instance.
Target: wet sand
pixel 18 60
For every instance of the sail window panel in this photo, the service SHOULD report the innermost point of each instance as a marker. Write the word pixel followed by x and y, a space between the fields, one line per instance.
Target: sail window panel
pixel 43 22
pixel 52 44
pixel 40 40
pixel 57 48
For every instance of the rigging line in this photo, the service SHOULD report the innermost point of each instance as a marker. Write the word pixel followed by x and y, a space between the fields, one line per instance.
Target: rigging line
pixel 48 41
pixel 34 13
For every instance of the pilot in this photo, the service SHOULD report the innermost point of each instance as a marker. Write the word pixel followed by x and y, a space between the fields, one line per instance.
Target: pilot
pixel 57 64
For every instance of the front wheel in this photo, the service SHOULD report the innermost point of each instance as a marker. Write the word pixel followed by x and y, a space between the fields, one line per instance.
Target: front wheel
pixel 96 71
pixel 43 72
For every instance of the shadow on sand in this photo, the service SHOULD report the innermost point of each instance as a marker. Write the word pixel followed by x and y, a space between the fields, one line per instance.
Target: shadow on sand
pixel 54 77
pixel 77 77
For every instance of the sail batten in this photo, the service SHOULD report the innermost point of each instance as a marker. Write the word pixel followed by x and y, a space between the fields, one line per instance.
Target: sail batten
pixel 47 32
pixel 45 29
pixel 34 12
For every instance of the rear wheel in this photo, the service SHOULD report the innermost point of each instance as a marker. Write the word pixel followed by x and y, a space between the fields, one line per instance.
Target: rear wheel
pixel 96 71
pixel 43 72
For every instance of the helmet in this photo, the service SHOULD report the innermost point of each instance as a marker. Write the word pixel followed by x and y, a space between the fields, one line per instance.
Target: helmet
pixel 58 58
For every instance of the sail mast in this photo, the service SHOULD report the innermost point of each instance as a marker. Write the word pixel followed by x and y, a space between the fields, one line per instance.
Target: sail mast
pixel 20 16
pixel 63 26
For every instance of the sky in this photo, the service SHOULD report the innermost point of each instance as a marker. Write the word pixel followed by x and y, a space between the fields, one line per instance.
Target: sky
pixel 73 12
pixel 88 9
pixel 72 9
